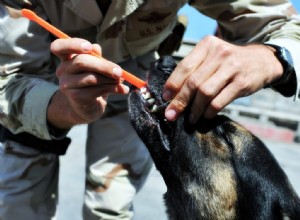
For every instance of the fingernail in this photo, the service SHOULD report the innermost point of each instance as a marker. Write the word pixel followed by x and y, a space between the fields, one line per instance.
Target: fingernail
pixel 192 118
pixel 170 114
pixel 167 95
pixel 86 46
pixel 117 71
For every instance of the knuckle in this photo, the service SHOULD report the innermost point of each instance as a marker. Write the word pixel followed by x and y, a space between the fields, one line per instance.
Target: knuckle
pixel 53 48
pixel 208 39
pixel 205 91
pixel 192 82
pixel 179 104
pixel 224 50
pixel 173 86
pixel 79 61
pixel 236 65
pixel 98 48
pixel 216 107
pixel 185 65
pixel 62 87
pixel 89 80
pixel 60 70
pixel 242 85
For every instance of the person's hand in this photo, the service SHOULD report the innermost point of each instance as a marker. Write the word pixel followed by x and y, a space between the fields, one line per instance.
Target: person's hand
pixel 85 82
pixel 215 73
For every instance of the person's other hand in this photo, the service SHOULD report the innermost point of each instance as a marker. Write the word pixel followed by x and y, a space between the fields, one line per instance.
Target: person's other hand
pixel 215 73
pixel 85 82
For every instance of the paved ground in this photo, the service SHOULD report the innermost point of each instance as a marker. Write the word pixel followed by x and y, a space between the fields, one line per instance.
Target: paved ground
pixel 148 204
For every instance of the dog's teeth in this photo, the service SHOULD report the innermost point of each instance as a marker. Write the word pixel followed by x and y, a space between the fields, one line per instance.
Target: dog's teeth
pixel 151 101
pixel 143 95
pixel 147 95
pixel 154 109
pixel 143 90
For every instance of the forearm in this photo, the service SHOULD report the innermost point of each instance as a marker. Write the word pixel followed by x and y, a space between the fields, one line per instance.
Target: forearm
pixel 274 22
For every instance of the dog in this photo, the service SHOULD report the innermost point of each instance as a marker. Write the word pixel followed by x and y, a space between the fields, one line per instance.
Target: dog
pixel 214 169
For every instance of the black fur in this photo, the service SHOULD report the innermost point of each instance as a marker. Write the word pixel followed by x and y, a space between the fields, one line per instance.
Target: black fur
pixel 213 170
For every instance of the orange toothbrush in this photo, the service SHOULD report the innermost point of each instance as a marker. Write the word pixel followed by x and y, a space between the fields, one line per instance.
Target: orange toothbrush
pixel 32 16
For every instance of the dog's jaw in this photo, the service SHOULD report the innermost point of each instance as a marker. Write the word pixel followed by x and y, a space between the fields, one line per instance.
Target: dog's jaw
pixel 157 127
pixel 144 120
pixel 219 177
pixel 167 144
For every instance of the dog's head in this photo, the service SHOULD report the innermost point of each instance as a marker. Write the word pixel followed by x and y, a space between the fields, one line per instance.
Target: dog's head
pixel 191 158
pixel 168 140
pixel 177 147
pixel 146 111
pixel 214 169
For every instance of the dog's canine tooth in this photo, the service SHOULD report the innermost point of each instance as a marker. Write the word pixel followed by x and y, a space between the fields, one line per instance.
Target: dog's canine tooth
pixel 143 90
pixel 147 95
pixel 154 108
pixel 151 101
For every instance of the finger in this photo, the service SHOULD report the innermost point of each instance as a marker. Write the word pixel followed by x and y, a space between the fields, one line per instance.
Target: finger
pixel 97 48
pixel 88 94
pixel 107 89
pixel 192 86
pixel 185 68
pixel 206 92
pixel 87 63
pixel 85 80
pixel 179 103
pixel 65 48
pixel 226 96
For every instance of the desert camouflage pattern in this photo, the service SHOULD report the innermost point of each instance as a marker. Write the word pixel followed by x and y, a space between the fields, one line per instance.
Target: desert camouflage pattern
pixel 113 180
pixel 28 183
pixel 127 31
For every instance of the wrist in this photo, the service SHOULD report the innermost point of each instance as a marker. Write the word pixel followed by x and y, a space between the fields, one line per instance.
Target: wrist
pixel 277 68
pixel 58 113
pixel 286 84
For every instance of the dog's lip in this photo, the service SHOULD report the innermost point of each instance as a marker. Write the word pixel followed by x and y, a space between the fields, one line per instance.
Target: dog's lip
pixel 157 119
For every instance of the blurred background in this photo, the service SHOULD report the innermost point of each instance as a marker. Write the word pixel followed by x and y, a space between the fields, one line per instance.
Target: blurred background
pixel 267 114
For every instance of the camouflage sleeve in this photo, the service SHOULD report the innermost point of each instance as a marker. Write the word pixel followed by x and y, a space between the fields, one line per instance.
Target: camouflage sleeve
pixel 246 21
pixel 26 74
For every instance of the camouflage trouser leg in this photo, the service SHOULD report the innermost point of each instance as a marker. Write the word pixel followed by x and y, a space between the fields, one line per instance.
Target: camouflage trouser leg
pixel 118 163
pixel 113 180
pixel 28 183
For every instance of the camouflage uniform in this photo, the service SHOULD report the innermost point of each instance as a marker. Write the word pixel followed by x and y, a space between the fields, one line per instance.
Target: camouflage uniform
pixel 129 33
